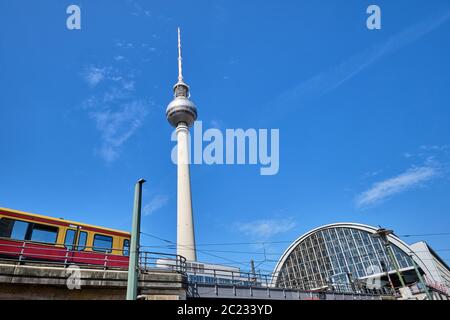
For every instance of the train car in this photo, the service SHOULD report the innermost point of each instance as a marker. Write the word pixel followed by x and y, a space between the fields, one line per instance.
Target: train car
pixel 32 237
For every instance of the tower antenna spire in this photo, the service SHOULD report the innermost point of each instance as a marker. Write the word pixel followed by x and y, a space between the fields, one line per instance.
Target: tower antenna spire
pixel 180 59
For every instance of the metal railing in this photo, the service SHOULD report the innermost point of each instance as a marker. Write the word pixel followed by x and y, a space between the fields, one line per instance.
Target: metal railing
pixel 149 261
pixel 355 287
pixel 218 276
pixel 90 257
pixel 224 276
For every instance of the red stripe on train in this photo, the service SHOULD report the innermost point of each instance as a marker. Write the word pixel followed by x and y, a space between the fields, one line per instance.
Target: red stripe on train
pixel 61 223
pixel 52 253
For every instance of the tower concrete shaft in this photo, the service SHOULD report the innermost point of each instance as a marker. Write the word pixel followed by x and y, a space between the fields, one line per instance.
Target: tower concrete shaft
pixel 185 218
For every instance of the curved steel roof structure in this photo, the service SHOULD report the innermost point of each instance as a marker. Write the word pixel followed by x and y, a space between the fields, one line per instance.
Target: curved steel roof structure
pixel 392 238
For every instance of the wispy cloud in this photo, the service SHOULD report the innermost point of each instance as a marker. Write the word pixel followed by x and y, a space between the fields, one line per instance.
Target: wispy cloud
pixel 117 113
pixel 407 155
pixel 407 180
pixel 94 75
pixel 124 44
pixel 372 174
pixel 346 70
pixel 265 228
pixel 156 203
pixel 427 152
pixel 117 126
pixel 435 148
pixel 137 9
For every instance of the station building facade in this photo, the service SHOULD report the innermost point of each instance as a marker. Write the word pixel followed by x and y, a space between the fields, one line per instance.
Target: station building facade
pixel 438 276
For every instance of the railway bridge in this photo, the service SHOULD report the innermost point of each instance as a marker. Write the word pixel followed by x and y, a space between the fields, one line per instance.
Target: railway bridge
pixel 36 280
pixel 31 271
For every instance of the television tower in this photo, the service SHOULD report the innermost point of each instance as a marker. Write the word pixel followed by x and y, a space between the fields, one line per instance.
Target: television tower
pixel 181 114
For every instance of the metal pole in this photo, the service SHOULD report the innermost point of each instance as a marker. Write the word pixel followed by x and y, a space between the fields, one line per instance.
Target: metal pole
pixel 386 268
pixel 429 296
pixel 133 267
pixel 383 235
pixel 252 268
pixel 394 262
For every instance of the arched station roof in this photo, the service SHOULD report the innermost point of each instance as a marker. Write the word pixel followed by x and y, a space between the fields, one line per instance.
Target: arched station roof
pixel 392 239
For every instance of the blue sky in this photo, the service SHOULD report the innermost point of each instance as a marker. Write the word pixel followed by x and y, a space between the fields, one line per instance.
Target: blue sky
pixel 363 116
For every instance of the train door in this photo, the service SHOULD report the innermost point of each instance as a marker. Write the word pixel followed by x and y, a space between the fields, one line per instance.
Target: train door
pixel 70 242
pixel 81 252
pixel 81 240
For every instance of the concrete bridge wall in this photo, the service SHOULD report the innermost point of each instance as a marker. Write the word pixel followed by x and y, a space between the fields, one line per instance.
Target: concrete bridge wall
pixel 47 282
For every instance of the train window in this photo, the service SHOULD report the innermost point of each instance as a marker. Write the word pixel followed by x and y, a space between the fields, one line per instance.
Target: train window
pixel 102 243
pixel 42 233
pixel 82 239
pixel 6 227
pixel 20 229
pixel 126 247
pixel 70 238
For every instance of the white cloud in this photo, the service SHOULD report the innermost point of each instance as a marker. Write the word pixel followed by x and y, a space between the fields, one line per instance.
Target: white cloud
pixel 124 44
pixel 113 95
pixel 128 84
pixel 385 189
pixel 265 228
pixel 117 125
pixel 94 75
pixel 155 204
pixel 372 173
pixel 148 47
pixel 435 148
pixel 117 113
pixel 407 155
